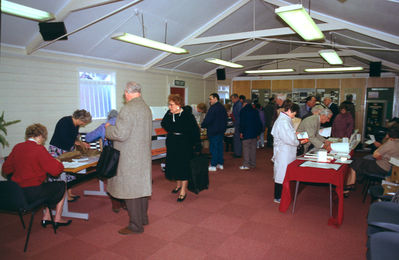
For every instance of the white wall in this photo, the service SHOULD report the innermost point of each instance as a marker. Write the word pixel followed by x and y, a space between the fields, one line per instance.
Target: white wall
pixel 43 87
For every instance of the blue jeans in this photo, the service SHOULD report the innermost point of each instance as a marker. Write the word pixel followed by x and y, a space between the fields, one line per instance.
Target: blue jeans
pixel 216 149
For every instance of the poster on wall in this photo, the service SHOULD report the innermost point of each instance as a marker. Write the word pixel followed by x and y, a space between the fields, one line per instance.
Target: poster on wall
pixel 332 93
pixel 299 95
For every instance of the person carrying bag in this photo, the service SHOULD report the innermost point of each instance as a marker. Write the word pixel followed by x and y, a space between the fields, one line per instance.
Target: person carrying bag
pixel 108 162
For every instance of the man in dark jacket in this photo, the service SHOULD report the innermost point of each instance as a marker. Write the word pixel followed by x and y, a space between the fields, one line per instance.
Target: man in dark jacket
pixel 250 128
pixel 237 105
pixel 215 122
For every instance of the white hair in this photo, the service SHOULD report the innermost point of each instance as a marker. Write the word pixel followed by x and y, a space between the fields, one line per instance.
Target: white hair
pixel 281 96
pixel 325 112
pixel 133 87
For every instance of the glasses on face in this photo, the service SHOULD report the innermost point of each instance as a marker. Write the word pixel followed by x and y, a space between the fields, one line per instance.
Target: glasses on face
pixel 171 105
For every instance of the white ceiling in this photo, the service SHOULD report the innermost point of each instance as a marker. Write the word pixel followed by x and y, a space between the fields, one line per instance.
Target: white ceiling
pixel 244 31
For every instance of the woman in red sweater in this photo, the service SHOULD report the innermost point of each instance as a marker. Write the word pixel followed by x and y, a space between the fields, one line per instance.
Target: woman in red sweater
pixel 29 163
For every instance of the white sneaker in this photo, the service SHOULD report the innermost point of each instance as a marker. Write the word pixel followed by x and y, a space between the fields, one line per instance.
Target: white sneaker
pixel 277 200
pixel 244 167
pixel 219 166
pixel 212 168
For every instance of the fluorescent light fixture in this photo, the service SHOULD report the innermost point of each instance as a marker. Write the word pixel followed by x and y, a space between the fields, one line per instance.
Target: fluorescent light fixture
pixel 130 38
pixel 224 63
pixel 268 71
pixel 331 57
pixel 300 21
pixel 25 11
pixel 334 69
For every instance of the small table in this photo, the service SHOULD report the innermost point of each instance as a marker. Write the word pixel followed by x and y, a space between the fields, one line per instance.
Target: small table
pixel 92 162
pixel 316 175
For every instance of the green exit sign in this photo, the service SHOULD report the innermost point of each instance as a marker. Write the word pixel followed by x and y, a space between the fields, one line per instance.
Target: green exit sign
pixel 180 83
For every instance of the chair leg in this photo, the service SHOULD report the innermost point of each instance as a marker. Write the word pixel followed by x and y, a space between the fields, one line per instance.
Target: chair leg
pixel 21 218
pixel 296 193
pixel 367 186
pixel 52 219
pixel 330 200
pixel 29 229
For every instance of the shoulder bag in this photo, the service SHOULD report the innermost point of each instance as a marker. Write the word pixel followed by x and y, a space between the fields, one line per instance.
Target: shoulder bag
pixel 108 162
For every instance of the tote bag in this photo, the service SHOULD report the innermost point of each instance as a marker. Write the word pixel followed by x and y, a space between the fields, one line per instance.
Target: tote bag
pixel 108 162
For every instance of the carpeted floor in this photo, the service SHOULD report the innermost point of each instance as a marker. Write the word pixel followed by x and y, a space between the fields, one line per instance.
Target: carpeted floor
pixel 235 218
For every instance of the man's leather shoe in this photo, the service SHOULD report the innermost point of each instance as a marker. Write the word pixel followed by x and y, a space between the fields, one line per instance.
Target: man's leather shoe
pixel 125 231
pixel 60 224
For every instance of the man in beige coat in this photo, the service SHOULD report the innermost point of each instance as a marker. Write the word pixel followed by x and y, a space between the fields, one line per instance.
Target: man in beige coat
pixel 132 137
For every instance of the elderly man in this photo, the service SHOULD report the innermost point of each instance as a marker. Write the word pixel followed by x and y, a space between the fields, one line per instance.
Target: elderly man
pixel 215 122
pixel 306 109
pixel 311 125
pixel 132 137
pixel 237 105
pixel 334 109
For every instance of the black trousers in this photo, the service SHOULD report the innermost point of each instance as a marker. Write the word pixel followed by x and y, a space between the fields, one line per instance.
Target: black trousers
pixel 277 190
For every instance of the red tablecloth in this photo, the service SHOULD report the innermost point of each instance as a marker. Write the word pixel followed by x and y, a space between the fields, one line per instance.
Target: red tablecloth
pixel 315 175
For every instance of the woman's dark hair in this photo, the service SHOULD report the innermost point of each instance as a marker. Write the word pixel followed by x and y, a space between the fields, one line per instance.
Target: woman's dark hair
pixel 36 130
pixel 393 131
pixel 289 105
pixel 343 106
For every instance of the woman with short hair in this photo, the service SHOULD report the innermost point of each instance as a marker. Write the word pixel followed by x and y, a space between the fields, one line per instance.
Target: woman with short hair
pixel 29 163
pixel 183 135
pixel 284 146
pixel 65 138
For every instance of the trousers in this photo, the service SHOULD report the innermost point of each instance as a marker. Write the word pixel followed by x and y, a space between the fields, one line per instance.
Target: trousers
pixel 137 210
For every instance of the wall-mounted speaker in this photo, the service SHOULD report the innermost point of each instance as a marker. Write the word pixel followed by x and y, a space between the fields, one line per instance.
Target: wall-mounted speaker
pixel 51 31
pixel 221 74
pixel 375 69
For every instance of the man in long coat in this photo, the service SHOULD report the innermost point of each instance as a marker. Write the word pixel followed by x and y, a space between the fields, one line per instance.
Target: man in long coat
pixel 132 137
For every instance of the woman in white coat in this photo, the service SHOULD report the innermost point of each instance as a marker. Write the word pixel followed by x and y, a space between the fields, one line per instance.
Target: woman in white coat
pixel 284 146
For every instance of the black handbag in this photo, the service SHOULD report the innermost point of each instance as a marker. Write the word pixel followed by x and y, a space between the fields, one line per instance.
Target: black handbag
pixel 108 162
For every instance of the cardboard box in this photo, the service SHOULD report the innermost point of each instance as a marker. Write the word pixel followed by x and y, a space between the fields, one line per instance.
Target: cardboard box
pixel 395 174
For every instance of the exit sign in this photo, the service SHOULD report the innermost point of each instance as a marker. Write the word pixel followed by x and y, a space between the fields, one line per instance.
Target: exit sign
pixel 180 83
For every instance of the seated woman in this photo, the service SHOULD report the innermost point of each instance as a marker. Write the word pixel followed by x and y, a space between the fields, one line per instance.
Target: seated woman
pixel 379 166
pixel 29 162
pixel 343 123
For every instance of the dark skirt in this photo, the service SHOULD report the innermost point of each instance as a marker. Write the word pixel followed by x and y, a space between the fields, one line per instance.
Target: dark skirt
pixel 367 166
pixel 179 152
pixel 53 192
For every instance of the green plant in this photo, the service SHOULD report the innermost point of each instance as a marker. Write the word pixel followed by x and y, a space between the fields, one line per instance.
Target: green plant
pixel 3 125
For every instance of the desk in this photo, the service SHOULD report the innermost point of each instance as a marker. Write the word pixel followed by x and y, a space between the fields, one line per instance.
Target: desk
pixel 315 175
pixel 90 163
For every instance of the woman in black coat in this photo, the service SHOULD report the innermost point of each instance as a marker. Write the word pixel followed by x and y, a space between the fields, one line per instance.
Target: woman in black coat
pixel 183 135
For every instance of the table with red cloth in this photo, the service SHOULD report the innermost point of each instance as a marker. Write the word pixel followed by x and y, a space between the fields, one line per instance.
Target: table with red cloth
pixel 316 175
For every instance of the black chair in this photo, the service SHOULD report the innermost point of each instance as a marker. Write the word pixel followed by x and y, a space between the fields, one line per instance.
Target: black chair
pixel 383 231
pixel 12 199
pixel 370 180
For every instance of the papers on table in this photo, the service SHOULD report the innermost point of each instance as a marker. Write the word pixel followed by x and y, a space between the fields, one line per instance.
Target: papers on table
pixel 343 161
pixel 326 132
pixel 340 148
pixel 320 165
pixel 372 140
pixel 394 161
pixel 302 135
pixel 74 164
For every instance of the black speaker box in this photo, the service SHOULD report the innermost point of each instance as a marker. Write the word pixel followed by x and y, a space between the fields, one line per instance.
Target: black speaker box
pixel 221 74
pixel 375 69
pixel 51 31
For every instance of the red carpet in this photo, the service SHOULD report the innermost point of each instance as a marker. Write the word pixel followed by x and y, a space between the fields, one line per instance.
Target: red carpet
pixel 235 219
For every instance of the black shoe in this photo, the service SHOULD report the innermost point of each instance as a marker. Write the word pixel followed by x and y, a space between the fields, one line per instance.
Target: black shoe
pixel 181 197
pixel 60 224
pixel 176 190
pixel 75 198
pixel 46 222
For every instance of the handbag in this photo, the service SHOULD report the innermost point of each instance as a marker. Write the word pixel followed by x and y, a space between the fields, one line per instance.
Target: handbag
pixel 108 163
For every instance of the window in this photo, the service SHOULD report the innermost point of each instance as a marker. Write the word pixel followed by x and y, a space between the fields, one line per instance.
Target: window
pixel 223 92
pixel 97 93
